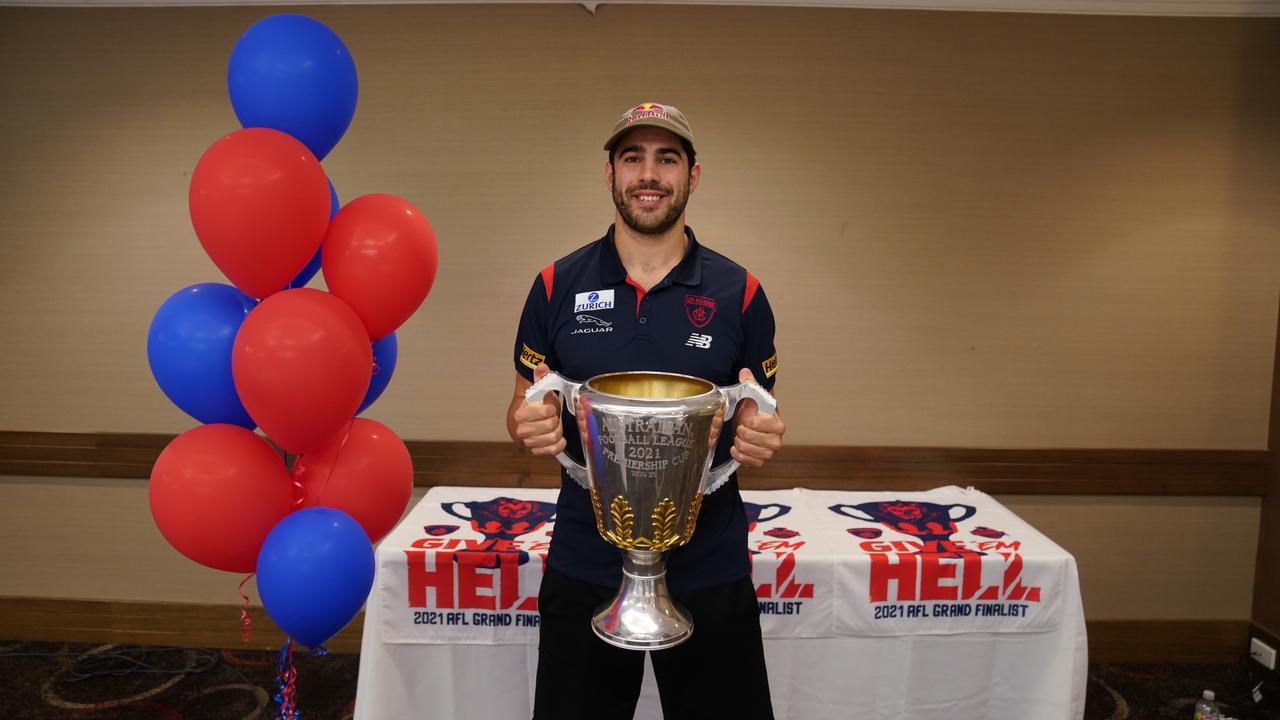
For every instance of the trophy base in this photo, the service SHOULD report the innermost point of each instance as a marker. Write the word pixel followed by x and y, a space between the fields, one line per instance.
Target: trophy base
pixel 642 616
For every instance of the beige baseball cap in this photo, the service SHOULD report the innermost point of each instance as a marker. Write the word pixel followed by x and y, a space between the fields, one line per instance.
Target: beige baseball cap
pixel 650 113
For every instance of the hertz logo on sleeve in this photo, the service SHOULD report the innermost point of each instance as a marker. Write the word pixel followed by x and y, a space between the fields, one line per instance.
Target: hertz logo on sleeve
pixel 530 358
pixel 770 366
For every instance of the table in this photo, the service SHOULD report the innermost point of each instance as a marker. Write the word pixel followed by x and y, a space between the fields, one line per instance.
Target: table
pixel 895 605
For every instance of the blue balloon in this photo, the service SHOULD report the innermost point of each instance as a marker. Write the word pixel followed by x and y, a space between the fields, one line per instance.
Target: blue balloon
pixel 315 570
pixel 293 74
pixel 308 272
pixel 313 266
pixel 385 352
pixel 189 349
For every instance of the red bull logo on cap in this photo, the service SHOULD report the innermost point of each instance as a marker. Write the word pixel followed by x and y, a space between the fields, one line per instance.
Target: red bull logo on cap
pixel 647 110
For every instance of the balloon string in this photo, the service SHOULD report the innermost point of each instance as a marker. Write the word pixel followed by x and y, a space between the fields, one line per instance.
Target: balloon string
pixel 286 690
pixel 246 622
pixel 346 435
pixel 299 490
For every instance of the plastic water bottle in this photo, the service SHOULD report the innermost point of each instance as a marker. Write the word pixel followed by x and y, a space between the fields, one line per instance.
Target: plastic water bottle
pixel 1206 708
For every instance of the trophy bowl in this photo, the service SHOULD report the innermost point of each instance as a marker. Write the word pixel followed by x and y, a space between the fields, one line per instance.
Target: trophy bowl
pixel 646 438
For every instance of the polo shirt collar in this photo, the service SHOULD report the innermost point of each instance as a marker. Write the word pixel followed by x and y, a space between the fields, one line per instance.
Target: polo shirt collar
pixel 687 272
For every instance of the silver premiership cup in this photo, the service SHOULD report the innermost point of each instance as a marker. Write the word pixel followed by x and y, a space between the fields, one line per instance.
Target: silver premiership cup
pixel 647 441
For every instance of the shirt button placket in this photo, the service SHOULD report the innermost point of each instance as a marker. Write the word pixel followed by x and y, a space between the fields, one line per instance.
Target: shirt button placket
pixel 646 302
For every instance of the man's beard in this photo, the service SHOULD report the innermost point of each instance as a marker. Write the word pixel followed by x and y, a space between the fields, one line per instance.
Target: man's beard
pixel 649 224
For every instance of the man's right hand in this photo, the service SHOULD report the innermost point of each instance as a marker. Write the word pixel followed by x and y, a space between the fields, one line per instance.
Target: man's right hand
pixel 536 425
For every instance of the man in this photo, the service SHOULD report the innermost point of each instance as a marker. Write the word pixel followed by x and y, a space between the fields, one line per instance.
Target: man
pixel 648 296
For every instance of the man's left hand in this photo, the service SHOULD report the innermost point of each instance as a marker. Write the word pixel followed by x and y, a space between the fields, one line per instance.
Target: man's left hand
pixel 758 435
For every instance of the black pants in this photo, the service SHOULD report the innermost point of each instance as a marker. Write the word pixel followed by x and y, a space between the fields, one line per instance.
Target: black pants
pixel 717 673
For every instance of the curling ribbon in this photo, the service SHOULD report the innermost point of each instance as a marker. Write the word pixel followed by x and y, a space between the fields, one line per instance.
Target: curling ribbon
pixel 246 622
pixel 286 690
pixel 299 490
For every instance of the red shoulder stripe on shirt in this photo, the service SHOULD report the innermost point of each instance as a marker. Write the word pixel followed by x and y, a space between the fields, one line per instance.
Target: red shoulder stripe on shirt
pixel 752 285
pixel 549 278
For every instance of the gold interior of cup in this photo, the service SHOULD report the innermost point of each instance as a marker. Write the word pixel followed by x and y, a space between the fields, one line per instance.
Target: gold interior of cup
pixel 650 386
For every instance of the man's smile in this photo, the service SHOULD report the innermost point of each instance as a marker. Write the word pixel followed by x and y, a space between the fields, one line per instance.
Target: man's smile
pixel 648 197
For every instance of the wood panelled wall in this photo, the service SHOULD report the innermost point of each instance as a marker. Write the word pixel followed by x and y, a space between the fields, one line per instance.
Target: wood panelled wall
pixel 496 464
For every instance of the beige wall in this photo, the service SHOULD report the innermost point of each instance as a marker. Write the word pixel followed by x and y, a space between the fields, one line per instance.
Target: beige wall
pixel 976 230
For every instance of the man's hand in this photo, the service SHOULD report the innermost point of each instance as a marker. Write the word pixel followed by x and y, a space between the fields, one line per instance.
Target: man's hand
pixel 758 435
pixel 536 425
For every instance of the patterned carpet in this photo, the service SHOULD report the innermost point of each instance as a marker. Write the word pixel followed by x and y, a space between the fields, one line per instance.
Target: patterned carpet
pixel 47 681
pixel 44 681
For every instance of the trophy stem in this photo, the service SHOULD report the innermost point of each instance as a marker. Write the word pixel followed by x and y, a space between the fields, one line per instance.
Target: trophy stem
pixel 642 615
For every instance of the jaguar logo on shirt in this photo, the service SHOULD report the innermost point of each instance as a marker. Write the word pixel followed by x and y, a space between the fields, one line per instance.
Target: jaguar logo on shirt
pixel 594 300
pixel 699 309
pixel 591 324
pixel 593 320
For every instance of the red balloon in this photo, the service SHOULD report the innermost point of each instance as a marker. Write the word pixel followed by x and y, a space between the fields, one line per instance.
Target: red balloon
pixel 260 204
pixel 364 470
pixel 301 364
pixel 216 491
pixel 380 257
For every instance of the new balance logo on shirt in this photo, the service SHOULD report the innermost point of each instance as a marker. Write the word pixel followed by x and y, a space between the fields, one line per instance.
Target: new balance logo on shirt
pixel 699 341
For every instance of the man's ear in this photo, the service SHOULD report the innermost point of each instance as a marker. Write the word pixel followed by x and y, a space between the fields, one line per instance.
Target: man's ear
pixel 608 174
pixel 694 173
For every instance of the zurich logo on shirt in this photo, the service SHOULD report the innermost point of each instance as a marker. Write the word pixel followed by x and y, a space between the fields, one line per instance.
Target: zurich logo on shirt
pixel 594 300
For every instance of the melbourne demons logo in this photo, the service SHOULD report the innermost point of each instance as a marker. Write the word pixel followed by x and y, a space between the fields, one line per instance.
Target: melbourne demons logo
pixel 504 518
pixel 699 309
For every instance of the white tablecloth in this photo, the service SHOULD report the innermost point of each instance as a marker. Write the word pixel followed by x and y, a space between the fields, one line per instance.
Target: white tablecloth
pixel 892 605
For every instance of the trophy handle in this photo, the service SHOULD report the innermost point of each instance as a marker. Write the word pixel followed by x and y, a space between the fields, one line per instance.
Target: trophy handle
pixel 733 395
pixel 848 510
pixel 446 506
pixel 554 381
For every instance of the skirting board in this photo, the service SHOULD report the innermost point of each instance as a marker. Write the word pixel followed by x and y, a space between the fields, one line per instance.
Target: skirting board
pixel 188 624
pixel 149 623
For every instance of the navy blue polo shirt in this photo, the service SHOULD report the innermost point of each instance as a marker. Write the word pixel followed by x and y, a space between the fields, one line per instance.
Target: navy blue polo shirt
pixel 708 318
